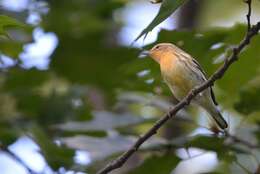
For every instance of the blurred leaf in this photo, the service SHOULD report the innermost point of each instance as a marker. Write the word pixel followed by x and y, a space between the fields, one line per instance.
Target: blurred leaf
pixel 249 98
pixel 55 109
pixel 167 8
pixel 211 11
pixel 24 85
pixel 11 48
pixel 233 79
pixel 51 109
pixel 207 143
pixel 91 63
pixel 88 52
pixel 156 164
pixel 101 148
pixel 7 108
pixel 216 144
pixel 23 79
pixel 103 121
pixel 56 156
pixel 29 103
pixel 8 22
pixel 133 81
pixel 7 135
pixel 77 18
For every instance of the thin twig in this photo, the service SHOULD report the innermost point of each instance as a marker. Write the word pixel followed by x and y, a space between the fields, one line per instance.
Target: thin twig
pixel 248 16
pixel 117 163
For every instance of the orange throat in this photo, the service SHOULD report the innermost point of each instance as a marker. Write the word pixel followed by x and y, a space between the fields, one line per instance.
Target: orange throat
pixel 167 63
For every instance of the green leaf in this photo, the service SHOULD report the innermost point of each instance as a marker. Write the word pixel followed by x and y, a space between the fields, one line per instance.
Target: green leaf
pixel 8 22
pixel 207 143
pixel 166 9
pixel 56 156
pixel 8 134
pixel 249 98
pixel 212 143
pixel 11 48
pixel 78 62
pixel 54 108
pixel 157 164
pixel 90 17
pixel 23 79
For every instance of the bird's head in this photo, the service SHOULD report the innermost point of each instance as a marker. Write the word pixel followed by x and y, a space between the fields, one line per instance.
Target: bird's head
pixel 162 50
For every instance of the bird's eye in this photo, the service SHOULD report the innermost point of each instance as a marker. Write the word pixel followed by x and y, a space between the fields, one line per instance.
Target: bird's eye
pixel 157 47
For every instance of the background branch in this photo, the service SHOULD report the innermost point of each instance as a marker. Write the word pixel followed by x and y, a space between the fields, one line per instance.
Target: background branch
pixel 16 158
pixel 252 31
pixel 248 16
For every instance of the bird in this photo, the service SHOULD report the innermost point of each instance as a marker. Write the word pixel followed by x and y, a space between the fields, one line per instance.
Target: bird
pixel 181 72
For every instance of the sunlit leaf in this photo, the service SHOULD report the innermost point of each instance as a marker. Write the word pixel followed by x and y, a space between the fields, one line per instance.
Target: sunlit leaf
pixel 167 8
pixel 51 109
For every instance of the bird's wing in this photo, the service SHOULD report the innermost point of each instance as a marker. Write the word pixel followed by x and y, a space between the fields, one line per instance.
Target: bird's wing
pixel 196 68
pixel 197 65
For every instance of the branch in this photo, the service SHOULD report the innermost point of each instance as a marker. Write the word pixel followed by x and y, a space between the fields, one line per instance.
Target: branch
pixel 117 163
pixel 248 16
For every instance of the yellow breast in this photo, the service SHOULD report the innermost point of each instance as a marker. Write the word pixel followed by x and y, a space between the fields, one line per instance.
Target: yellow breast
pixel 176 76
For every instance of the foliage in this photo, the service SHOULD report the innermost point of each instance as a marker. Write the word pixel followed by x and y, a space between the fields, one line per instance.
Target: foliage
pixel 98 96
pixel 8 22
pixel 150 165
pixel 167 8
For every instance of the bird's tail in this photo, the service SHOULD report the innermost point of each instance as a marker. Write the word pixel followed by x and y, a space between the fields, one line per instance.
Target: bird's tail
pixel 218 118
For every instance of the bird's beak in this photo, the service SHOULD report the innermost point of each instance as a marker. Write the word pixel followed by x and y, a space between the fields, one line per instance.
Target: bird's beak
pixel 144 53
